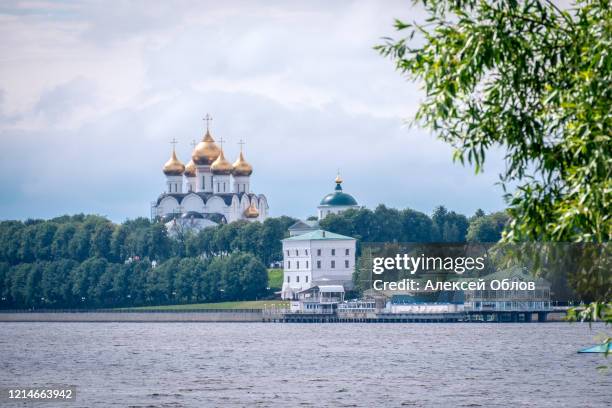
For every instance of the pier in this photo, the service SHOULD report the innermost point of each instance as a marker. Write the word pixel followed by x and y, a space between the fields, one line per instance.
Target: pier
pixel 335 316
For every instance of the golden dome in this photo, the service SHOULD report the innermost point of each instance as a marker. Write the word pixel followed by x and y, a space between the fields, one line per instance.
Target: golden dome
pixel 190 169
pixel 251 212
pixel 242 167
pixel 173 167
pixel 221 166
pixel 338 179
pixel 206 151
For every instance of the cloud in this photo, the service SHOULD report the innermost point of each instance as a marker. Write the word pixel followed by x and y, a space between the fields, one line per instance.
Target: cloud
pixel 90 95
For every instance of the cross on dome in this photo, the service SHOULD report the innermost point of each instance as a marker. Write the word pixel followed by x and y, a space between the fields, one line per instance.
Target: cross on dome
pixel 207 119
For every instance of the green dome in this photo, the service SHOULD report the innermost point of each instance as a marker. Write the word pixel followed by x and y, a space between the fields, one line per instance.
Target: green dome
pixel 338 198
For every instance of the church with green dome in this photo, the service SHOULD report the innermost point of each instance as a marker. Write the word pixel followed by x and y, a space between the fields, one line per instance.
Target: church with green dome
pixel 336 202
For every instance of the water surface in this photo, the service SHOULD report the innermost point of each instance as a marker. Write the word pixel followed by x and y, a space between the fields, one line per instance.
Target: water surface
pixel 318 365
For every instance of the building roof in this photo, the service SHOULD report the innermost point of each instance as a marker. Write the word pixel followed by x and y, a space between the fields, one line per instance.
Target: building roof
pixel 331 288
pixel 338 198
pixel 324 289
pixel 318 235
pixel 307 224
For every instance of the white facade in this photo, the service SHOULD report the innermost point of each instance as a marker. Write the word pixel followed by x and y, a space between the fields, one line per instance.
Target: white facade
pixel 209 188
pixel 317 258
pixel 231 206
pixel 325 210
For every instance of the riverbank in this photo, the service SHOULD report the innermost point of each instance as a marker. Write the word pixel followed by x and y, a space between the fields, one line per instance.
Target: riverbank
pixel 225 315
pixel 210 316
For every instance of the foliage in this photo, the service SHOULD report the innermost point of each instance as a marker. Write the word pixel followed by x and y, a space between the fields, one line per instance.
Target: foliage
pixel 487 228
pixel 391 225
pixel 87 261
pixel 534 80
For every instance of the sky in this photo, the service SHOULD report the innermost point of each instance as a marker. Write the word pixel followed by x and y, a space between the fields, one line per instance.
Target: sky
pixel 92 93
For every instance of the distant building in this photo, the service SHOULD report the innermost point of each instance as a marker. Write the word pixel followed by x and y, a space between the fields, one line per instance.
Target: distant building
pixel 336 202
pixel 302 227
pixel 209 190
pixel 318 299
pixel 510 300
pixel 317 258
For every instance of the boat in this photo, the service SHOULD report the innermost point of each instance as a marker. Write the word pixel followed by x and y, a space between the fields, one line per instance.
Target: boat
pixel 600 348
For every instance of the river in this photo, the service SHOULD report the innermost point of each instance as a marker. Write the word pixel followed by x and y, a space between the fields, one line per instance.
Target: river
pixel 309 365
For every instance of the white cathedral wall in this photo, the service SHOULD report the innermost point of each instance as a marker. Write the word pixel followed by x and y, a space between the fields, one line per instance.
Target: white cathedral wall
pixel 234 210
pixel 167 205
pixel 217 205
pixel 203 179
pixel 221 184
pixel 190 184
pixel 262 207
pixel 241 184
pixel 174 184
pixel 192 202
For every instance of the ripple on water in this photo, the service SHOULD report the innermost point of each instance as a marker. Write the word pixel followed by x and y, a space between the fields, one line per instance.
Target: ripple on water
pixel 352 365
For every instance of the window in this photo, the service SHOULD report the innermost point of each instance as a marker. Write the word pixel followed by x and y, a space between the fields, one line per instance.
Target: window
pixel 306 264
pixel 318 252
pixel 306 278
pixel 297 252
pixel 287 252
pixel 203 183
pixel 288 279
pixel 306 252
pixel 298 265
pixel 297 279
pixel 346 252
pixel 318 264
pixel 333 264
pixel 333 252
pixel 346 263
pixel 288 264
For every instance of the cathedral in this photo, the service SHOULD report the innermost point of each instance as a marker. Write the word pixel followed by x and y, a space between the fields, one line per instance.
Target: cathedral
pixel 209 190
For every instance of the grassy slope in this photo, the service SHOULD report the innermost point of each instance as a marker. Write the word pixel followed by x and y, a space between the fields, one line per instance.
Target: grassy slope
pixel 275 278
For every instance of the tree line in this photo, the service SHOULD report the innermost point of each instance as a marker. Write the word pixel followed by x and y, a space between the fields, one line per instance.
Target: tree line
pixel 392 225
pixel 84 261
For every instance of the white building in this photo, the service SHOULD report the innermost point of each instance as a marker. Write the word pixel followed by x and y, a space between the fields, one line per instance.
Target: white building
pixel 317 258
pixel 208 190
pixel 336 202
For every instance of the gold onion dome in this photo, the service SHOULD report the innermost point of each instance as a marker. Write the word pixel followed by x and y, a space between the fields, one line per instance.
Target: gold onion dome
pixel 251 212
pixel 190 169
pixel 206 152
pixel 220 165
pixel 173 167
pixel 242 167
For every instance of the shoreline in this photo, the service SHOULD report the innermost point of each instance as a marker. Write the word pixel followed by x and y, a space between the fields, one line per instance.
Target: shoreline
pixel 228 316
